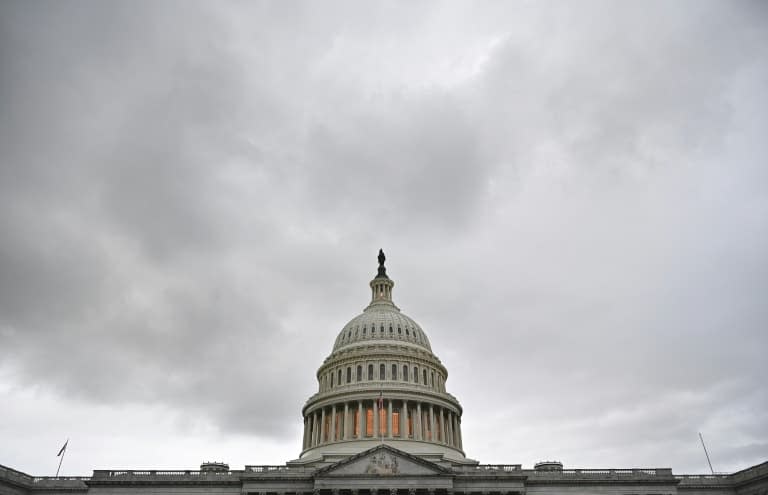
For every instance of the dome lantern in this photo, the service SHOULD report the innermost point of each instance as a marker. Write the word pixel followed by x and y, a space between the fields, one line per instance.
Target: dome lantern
pixel 381 286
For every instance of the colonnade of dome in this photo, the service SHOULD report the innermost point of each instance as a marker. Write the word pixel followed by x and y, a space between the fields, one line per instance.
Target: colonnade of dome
pixel 382 383
pixel 382 419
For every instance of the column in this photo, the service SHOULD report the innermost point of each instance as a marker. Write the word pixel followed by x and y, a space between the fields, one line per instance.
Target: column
pixel 432 424
pixel 418 416
pixel 345 423
pixel 455 431
pixel 375 418
pixel 333 423
pixel 315 434
pixel 304 438
pixel 361 420
pixel 440 424
pixel 322 426
pixel 458 424
pixel 450 428
pixel 389 418
pixel 404 420
pixel 444 427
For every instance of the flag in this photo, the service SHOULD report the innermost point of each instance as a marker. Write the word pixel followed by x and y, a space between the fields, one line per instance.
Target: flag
pixel 63 448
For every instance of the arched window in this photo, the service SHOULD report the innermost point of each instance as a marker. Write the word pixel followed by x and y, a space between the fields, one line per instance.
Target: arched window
pixel 349 374
pixel 382 372
pixel 381 329
pixel 399 331
pixel 370 372
pixel 339 380
pixel 364 330
pixel 331 379
pixel 359 373
pixel 390 329
pixel 416 374
pixel 394 372
pixel 425 378
pixel 433 379
pixel 407 331
pixel 405 372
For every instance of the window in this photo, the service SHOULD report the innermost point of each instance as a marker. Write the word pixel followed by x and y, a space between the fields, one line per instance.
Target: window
pixel 369 422
pixel 370 372
pixel 399 330
pixel 415 374
pixel 407 331
pixel 382 372
pixel 382 422
pixel 394 372
pixel 339 380
pixel 395 422
pixel 390 329
pixel 405 372
pixel 433 379
pixel 331 379
pixel 364 330
pixel 425 378
pixel 349 374
pixel 381 329
pixel 359 373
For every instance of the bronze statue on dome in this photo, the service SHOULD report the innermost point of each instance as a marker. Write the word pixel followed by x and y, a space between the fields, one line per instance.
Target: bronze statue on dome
pixel 382 269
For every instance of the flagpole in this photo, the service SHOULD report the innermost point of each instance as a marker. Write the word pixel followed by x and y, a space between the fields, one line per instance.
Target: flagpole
pixel 63 453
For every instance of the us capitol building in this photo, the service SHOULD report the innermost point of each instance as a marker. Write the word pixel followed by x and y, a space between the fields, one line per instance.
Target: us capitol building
pixel 383 423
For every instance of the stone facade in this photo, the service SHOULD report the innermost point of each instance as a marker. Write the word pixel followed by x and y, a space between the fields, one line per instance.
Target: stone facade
pixel 382 423
pixel 385 470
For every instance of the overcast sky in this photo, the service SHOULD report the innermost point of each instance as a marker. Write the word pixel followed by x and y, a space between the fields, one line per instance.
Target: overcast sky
pixel 573 199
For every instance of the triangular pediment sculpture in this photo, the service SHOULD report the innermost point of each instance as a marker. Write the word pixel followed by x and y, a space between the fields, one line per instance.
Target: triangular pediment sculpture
pixel 383 460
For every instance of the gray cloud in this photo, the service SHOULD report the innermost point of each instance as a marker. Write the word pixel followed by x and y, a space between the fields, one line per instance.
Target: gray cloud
pixel 573 199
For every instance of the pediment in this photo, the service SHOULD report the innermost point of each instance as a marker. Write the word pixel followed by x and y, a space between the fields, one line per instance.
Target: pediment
pixel 383 460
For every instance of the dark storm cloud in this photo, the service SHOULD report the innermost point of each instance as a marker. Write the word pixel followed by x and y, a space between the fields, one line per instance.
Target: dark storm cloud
pixel 192 195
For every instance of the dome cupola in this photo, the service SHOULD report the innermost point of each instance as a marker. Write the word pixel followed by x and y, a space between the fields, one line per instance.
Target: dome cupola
pixel 382 384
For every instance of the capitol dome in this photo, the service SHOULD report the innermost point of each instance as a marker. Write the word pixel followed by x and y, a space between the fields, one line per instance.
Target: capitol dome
pixel 382 384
